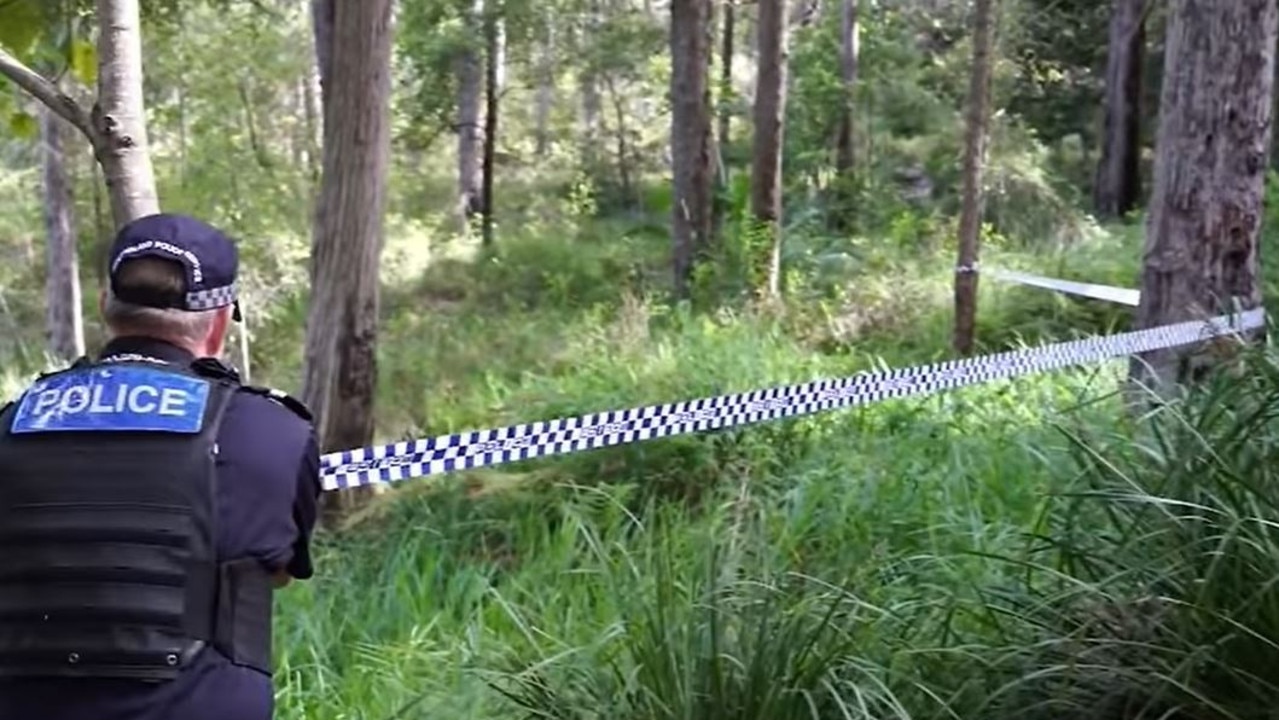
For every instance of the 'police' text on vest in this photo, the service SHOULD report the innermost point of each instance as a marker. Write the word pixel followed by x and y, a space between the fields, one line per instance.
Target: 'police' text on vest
pixel 113 399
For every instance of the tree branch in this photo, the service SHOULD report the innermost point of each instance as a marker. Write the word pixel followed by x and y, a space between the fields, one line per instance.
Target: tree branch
pixel 46 92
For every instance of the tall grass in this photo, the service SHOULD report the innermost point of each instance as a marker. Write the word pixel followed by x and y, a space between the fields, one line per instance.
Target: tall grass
pixel 1153 586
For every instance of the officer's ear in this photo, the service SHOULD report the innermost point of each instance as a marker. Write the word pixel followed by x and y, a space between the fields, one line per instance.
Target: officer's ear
pixel 218 333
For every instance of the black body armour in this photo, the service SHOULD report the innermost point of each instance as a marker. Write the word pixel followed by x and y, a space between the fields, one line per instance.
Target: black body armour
pixel 108 560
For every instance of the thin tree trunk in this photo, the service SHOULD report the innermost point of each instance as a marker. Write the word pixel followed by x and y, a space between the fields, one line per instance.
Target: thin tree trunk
pixel 1117 188
pixel 690 38
pixel 545 91
pixel 623 155
pixel 770 113
pixel 119 117
pixel 848 53
pixel 726 74
pixel 1206 206
pixel 116 124
pixel 470 134
pixel 63 319
pixel 323 17
pixel 726 95
pixel 340 363
pixel 975 137
pixel 495 59
pixel 588 86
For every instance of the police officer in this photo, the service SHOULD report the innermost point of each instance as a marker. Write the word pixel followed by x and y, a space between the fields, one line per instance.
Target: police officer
pixel 150 504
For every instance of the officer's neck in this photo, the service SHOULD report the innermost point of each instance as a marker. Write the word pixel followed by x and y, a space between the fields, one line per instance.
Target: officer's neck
pixel 202 349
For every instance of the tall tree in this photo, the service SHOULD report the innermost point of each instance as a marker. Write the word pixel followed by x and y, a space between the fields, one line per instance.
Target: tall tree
pixel 340 363
pixel 848 55
pixel 1202 231
pixel 975 138
pixel 770 112
pixel 470 101
pixel 690 38
pixel 494 63
pixel 728 11
pixel 115 125
pixel 64 323
pixel 588 79
pixel 1117 188
pixel 545 86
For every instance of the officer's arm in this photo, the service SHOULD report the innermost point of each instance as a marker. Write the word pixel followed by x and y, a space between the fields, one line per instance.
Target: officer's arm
pixel 305 513
pixel 306 495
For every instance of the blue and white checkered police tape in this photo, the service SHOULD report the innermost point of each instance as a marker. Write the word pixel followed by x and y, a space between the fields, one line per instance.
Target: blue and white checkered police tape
pixel 480 448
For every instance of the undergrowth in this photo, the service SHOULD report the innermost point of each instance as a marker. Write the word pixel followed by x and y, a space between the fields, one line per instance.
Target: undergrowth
pixel 1020 549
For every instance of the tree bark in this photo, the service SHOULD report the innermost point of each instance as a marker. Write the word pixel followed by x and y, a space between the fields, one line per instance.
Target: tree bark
pixel 690 39
pixel 589 87
pixel 470 134
pixel 848 54
pixel 340 363
pixel 726 73
pixel 118 117
pixel 1202 231
pixel 726 92
pixel 975 137
pixel 1117 188
pixel 64 322
pixel 495 58
pixel 770 113
pixel 545 91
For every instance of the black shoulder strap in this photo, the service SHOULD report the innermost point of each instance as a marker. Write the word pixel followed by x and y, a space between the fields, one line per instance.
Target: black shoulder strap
pixel 82 361
pixel 298 407
pixel 215 369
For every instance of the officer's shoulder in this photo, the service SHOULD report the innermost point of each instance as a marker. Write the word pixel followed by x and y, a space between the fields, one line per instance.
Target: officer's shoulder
pixel 280 398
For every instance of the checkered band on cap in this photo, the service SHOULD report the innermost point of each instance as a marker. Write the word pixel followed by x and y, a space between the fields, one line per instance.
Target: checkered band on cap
pixel 211 298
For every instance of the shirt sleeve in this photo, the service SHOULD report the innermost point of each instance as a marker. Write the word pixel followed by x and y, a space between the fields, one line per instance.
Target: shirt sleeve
pixel 306 510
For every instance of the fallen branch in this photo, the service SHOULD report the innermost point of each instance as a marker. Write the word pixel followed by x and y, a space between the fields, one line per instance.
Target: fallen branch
pixel 46 92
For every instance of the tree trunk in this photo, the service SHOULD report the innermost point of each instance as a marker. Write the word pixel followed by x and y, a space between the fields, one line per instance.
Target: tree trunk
pixel 470 134
pixel 63 319
pixel 975 136
pixel 848 53
pixel 589 87
pixel 340 364
pixel 726 75
pixel 726 93
pixel 313 82
pixel 623 154
pixel 690 40
pixel 118 117
pixel 1202 231
pixel 495 35
pixel 545 91
pixel 770 113
pixel 1117 188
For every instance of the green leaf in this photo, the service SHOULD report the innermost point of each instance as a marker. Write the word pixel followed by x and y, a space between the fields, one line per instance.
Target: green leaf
pixel 21 23
pixel 23 125
pixel 84 61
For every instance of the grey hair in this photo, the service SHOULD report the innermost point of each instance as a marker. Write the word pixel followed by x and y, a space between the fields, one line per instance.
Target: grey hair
pixel 163 323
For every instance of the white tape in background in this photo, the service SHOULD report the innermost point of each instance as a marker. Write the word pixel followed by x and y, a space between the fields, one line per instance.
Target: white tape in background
pixel 464 451
pixel 1123 296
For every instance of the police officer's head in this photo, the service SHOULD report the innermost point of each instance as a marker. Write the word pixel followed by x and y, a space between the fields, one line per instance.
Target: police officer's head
pixel 172 278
